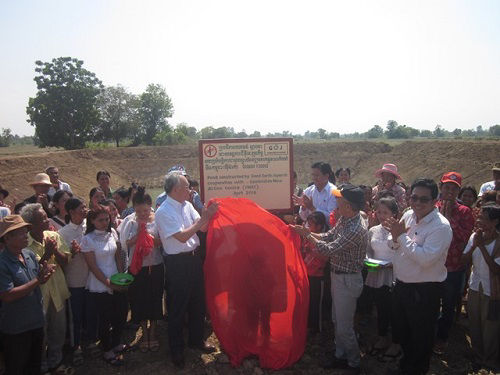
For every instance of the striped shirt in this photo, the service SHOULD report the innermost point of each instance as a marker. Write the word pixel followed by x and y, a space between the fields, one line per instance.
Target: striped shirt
pixel 345 244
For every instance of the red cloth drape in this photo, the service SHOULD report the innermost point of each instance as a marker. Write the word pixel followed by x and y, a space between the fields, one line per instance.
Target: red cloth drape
pixel 256 284
pixel 143 247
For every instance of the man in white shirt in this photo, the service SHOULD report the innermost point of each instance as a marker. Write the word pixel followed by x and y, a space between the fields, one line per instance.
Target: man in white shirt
pixel 177 223
pixel 318 197
pixel 421 241
pixel 57 184
pixel 491 185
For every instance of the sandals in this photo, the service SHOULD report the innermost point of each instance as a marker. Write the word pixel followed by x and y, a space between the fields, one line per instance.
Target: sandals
pixel 154 345
pixel 116 360
pixel 123 348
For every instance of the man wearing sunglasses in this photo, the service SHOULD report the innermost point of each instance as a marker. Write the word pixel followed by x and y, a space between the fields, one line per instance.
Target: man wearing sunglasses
pixel 421 240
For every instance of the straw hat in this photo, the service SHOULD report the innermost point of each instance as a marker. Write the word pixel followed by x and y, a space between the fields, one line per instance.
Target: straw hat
pixel 41 179
pixel 496 167
pixel 10 223
pixel 388 168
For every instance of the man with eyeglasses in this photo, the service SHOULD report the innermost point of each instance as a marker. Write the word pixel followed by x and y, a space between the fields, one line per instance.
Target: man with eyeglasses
pixel 421 240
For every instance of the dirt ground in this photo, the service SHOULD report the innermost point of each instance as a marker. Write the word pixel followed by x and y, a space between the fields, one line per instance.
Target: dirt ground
pixel 456 361
pixel 148 165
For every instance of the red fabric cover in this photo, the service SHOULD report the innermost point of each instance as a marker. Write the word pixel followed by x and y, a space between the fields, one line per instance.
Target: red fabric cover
pixel 256 284
pixel 143 247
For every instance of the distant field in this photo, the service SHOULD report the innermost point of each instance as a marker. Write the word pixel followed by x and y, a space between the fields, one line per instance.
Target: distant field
pixel 26 150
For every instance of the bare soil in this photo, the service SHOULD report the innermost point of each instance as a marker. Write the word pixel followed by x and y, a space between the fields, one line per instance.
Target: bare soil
pixel 148 165
pixel 456 360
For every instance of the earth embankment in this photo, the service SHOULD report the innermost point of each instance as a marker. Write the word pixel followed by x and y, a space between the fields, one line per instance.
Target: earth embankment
pixel 147 165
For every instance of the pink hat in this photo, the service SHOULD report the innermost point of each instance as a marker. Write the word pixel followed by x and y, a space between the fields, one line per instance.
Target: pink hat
pixel 388 168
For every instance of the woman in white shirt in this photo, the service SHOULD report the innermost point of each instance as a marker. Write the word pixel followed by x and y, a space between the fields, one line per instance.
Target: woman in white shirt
pixel 146 292
pixel 76 272
pixel 58 201
pixel 380 282
pixel 102 252
pixel 483 250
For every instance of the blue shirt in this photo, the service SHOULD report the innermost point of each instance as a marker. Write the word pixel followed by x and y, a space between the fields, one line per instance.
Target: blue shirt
pixel 324 201
pixel 26 313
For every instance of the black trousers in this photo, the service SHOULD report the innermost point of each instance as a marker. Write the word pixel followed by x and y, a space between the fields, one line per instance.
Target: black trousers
pixel 112 309
pixel 23 352
pixel 315 303
pixel 415 312
pixel 382 297
pixel 186 294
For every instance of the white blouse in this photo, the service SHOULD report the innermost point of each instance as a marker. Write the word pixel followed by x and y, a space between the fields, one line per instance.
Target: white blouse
pixel 480 271
pixel 128 230
pixel 103 244
pixel 378 248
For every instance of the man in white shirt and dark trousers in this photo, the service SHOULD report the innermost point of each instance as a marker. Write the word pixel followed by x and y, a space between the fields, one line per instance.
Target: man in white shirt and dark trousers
pixel 421 240
pixel 318 197
pixel 177 223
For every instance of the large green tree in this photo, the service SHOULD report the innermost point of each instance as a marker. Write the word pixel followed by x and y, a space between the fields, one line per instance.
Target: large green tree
pixel 155 108
pixel 64 111
pixel 119 114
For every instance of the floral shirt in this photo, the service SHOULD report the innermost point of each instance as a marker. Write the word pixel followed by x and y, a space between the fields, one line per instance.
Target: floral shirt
pixel 462 223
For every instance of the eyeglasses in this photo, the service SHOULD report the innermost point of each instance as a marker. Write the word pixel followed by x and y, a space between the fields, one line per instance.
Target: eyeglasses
pixel 423 200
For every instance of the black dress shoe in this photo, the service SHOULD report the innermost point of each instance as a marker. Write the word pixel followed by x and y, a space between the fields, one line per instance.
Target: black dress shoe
pixel 203 347
pixel 178 360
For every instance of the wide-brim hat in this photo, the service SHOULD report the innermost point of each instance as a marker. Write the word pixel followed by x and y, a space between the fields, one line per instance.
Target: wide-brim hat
pixel 388 168
pixel 41 179
pixel 4 192
pixel 10 223
pixel 496 167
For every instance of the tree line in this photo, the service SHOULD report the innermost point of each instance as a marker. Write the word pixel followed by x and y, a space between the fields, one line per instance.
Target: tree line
pixel 72 109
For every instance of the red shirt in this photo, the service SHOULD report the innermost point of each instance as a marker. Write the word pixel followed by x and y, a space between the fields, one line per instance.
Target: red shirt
pixel 462 223
pixel 314 261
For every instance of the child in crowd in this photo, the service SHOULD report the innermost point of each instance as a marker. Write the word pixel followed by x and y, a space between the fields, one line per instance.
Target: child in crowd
pixel 315 264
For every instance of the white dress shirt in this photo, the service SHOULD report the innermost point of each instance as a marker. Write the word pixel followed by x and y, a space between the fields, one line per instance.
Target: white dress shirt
pixel 77 270
pixel 421 251
pixel 103 244
pixel 62 186
pixel 324 201
pixel 480 270
pixel 172 217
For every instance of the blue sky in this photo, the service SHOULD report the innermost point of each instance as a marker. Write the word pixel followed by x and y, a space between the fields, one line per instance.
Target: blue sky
pixel 270 65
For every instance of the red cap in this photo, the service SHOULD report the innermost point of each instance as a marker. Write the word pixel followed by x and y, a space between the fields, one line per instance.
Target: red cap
pixel 454 177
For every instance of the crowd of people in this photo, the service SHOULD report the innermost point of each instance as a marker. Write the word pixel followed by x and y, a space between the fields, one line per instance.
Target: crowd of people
pixel 415 253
